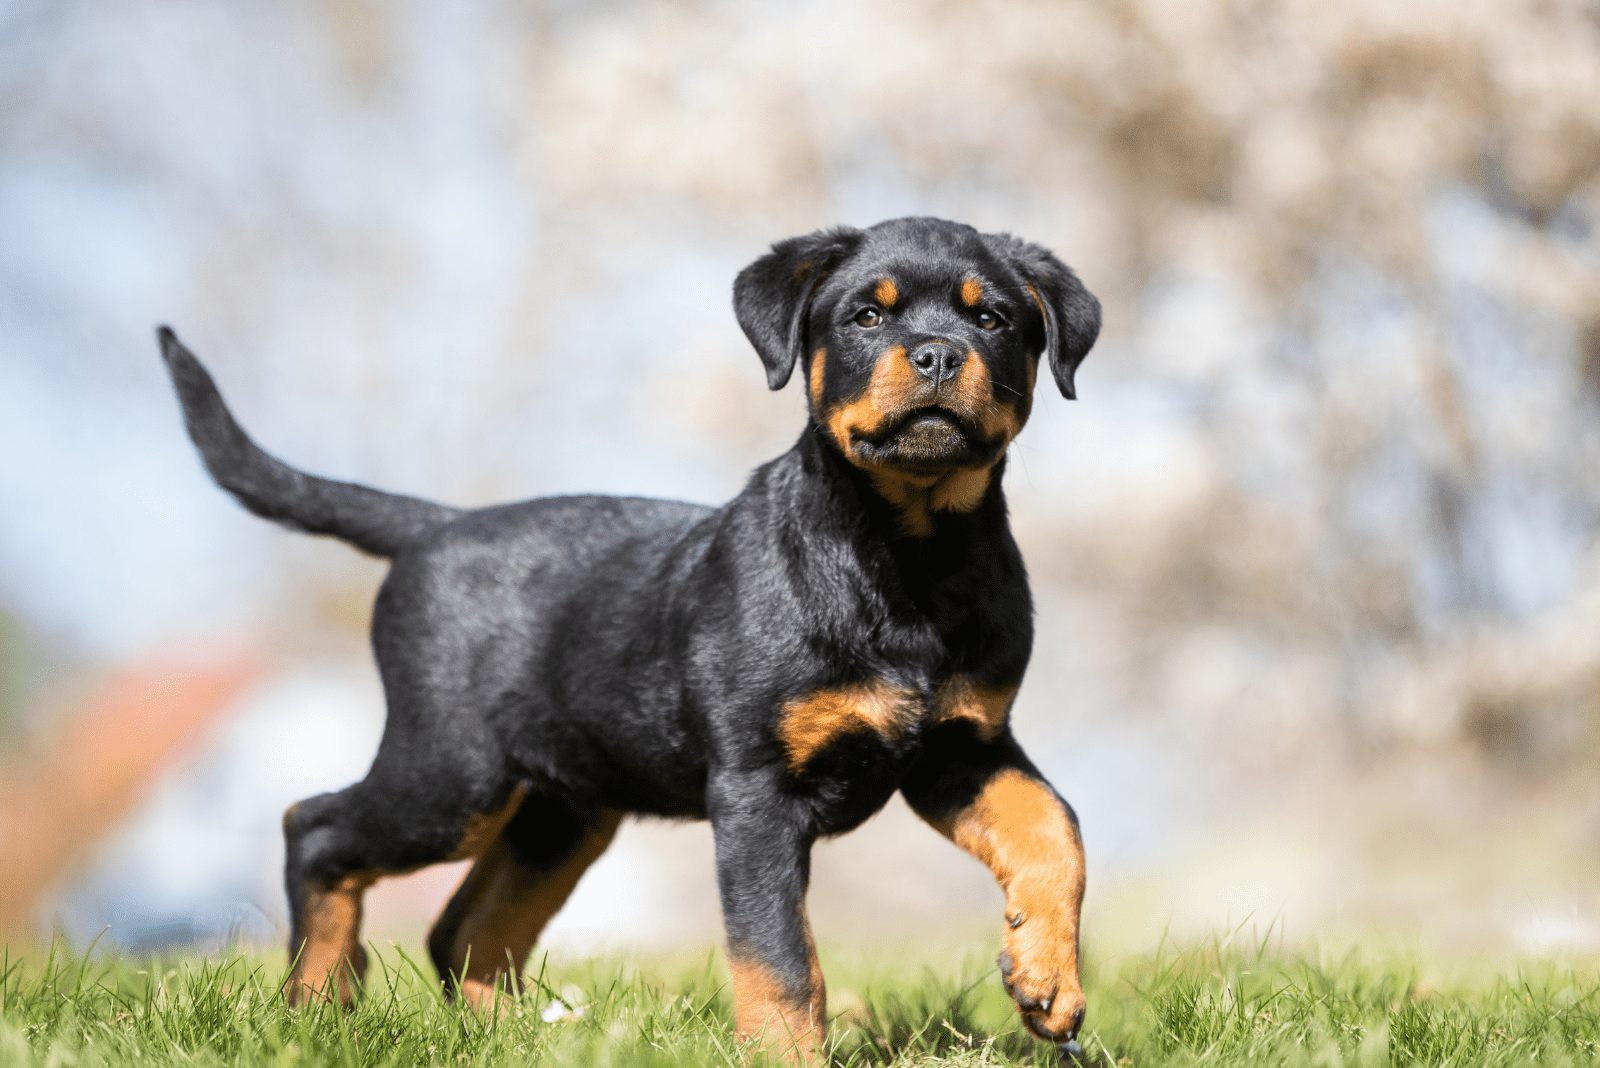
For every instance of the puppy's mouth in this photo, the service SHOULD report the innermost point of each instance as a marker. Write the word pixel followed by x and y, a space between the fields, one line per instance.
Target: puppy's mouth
pixel 929 438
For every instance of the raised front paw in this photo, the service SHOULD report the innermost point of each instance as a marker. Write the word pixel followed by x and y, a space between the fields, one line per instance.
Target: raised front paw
pixel 1043 980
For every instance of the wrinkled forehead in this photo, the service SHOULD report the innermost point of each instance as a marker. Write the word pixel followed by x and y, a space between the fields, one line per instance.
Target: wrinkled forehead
pixel 917 261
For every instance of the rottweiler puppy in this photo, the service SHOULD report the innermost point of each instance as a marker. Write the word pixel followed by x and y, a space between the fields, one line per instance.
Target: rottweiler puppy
pixel 855 622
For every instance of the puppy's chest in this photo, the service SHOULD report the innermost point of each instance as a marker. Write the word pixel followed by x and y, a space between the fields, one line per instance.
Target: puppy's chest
pixel 840 732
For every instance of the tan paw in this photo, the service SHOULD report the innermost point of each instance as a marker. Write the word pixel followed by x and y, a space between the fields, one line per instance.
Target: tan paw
pixel 1045 987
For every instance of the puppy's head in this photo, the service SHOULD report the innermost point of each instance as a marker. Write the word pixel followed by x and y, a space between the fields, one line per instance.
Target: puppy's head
pixel 919 339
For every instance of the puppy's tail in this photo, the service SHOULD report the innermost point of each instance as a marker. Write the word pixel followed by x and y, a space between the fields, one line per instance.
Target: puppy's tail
pixel 373 521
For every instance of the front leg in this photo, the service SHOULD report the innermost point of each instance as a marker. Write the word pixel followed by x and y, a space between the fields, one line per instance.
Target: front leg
pixel 991 801
pixel 763 868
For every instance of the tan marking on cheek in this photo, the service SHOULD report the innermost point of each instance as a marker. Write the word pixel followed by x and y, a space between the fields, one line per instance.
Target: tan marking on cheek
pixel 986 707
pixel 764 1009
pixel 817 378
pixel 886 292
pixel 971 292
pixel 891 389
pixel 894 387
pixel 809 723
pixel 331 959
pixel 504 906
pixel 999 421
pixel 973 391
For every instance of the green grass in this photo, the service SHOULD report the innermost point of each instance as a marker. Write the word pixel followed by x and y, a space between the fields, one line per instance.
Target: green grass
pixel 1206 1006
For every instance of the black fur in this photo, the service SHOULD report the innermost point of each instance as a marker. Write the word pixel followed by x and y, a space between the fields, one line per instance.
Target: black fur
pixel 373 521
pixel 620 654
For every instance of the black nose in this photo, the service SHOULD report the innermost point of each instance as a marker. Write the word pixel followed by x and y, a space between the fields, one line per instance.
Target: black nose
pixel 936 360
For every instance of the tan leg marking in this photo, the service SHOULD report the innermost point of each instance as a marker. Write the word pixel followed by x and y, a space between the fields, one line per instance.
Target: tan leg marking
pixel 811 722
pixel 763 1008
pixel 483 828
pixel 331 960
pixel 1019 829
pixel 507 907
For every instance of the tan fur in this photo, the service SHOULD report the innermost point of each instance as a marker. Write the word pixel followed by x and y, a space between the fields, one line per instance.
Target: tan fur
pixel 917 497
pixel 895 386
pixel 971 292
pixel 986 707
pixel 485 827
pixel 960 491
pixel 763 1009
pixel 817 378
pixel 1018 828
pixel 811 722
pixel 973 390
pixel 331 960
pixel 886 292
pixel 507 907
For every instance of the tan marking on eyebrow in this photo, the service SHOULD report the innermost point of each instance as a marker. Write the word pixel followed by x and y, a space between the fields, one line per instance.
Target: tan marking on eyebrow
pixel 886 292
pixel 971 291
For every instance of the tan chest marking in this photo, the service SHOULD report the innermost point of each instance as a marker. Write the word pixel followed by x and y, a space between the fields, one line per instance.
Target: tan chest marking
pixel 809 723
pixel 986 707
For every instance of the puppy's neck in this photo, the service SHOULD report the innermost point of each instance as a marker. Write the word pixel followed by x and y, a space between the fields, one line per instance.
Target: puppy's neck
pixel 900 506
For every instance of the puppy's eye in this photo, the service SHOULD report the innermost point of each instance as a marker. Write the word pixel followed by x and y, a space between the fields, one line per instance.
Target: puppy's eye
pixel 988 320
pixel 869 318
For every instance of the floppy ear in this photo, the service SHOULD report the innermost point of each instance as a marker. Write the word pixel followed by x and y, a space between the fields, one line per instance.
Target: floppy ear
pixel 1071 313
pixel 772 296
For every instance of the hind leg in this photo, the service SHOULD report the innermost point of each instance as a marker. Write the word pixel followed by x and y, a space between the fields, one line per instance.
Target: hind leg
pixel 399 818
pixel 483 937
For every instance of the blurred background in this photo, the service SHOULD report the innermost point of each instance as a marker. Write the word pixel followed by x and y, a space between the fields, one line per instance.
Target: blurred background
pixel 1315 556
